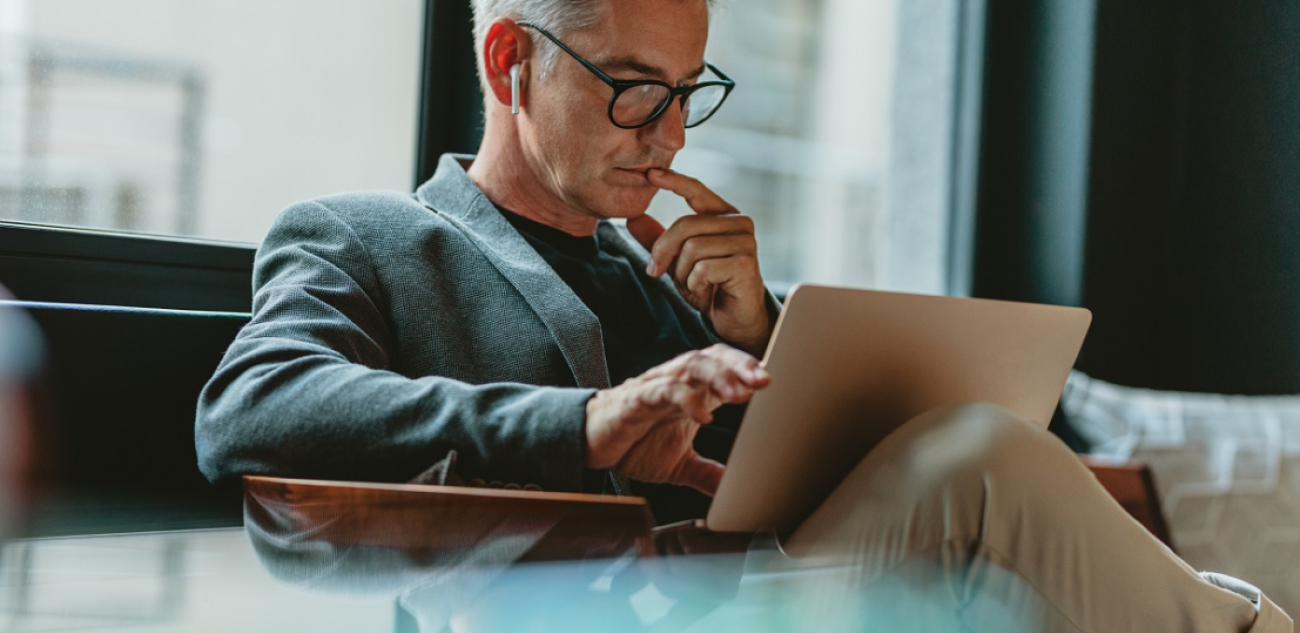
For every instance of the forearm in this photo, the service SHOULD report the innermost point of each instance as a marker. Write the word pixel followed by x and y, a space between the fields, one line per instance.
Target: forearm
pixel 312 386
pixel 296 413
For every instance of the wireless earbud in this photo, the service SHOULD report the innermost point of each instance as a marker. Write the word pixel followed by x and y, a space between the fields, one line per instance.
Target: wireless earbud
pixel 514 89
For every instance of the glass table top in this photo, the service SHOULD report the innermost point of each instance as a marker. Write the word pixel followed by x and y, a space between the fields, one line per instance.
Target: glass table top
pixel 393 558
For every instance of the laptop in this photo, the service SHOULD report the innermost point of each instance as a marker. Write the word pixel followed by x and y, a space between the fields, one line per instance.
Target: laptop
pixel 849 366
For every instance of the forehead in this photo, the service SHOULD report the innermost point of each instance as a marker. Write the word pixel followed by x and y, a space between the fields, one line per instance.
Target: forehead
pixel 666 34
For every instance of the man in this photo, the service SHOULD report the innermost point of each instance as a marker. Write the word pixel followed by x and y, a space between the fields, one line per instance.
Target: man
pixel 496 324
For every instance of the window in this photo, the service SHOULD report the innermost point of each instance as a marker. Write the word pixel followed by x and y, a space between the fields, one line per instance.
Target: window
pixel 202 118
pixel 205 118
pixel 838 139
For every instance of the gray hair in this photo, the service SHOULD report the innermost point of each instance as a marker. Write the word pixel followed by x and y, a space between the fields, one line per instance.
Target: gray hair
pixel 558 17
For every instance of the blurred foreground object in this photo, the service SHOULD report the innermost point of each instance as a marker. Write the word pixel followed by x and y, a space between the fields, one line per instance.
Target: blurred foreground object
pixel 471 559
pixel 117 442
pixel 20 361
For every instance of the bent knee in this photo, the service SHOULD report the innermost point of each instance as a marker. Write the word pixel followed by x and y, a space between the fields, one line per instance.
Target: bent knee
pixel 979 441
pixel 1001 426
pixel 939 475
pixel 977 427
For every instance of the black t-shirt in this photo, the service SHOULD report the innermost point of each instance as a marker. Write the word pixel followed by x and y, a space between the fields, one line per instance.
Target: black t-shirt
pixel 640 331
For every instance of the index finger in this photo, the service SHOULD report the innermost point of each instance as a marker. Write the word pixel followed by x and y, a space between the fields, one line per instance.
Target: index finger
pixel 717 364
pixel 700 198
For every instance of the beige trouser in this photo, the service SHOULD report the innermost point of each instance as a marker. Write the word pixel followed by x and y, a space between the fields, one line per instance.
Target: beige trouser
pixel 970 518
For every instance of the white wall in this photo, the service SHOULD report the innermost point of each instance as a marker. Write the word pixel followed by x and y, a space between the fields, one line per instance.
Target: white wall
pixel 303 98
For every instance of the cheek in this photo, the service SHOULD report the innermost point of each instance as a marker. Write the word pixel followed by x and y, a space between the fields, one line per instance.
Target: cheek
pixel 584 155
pixel 575 143
pixel 553 146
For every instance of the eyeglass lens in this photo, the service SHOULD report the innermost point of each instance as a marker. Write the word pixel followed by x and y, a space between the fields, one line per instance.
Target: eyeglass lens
pixel 702 103
pixel 639 104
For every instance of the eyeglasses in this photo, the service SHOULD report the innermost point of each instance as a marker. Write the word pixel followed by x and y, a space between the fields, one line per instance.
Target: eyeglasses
pixel 638 103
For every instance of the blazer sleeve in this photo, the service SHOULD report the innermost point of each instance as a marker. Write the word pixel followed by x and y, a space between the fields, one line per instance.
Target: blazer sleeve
pixel 304 391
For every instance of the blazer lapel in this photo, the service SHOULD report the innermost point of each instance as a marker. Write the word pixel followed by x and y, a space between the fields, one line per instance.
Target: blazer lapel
pixel 575 328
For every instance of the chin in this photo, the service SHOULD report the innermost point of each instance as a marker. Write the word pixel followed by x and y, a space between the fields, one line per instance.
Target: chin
pixel 629 202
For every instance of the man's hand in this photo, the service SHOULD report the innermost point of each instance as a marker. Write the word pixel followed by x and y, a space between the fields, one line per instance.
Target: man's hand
pixel 644 428
pixel 712 257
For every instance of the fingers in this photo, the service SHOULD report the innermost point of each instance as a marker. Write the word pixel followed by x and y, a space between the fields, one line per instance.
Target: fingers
pixel 729 294
pixel 650 420
pixel 706 247
pixel 645 229
pixel 735 235
pixel 665 396
pixel 730 373
pixel 699 473
pixel 701 199
pixel 710 273
pixel 696 383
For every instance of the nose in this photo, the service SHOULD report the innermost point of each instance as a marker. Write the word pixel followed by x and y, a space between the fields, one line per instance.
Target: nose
pixel 668 131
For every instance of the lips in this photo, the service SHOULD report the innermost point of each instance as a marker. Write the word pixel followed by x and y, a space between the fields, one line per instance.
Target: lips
pixel 642 170
pixel 638 172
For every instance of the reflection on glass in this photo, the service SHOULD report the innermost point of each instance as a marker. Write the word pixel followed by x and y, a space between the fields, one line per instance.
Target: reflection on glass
pixel 324 557
pixel 520 561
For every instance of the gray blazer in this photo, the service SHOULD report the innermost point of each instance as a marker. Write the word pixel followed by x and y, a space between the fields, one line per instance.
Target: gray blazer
pixel 389 329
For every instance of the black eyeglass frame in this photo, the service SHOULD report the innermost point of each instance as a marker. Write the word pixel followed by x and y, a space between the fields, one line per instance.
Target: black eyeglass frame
pixel 621 86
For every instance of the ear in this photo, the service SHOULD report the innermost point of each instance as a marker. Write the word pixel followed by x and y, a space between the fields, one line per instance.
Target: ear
pixel 506 45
